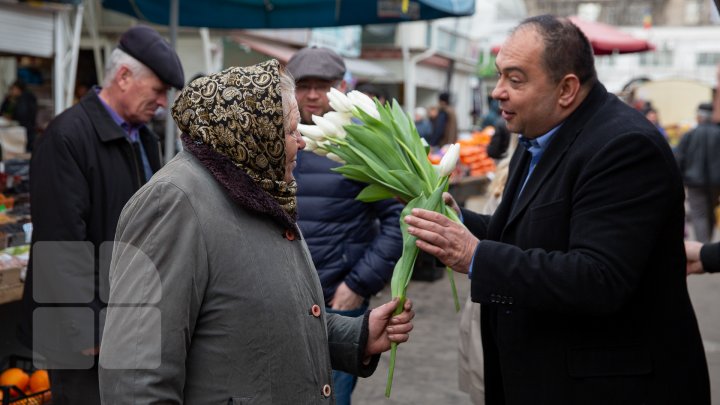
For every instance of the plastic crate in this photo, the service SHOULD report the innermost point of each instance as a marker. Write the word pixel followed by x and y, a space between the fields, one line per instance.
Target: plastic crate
pixel 38 398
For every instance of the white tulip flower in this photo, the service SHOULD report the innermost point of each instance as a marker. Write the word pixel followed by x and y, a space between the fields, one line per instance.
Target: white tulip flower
pixel 449 161
pixel 328 127
pixel 312 131
pixel 365 103
pixel 310 144
pixel 335 158
pixel 339 101
pixel 340 119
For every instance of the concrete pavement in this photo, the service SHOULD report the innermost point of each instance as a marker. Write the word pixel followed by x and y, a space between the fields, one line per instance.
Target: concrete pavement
pixel 426 366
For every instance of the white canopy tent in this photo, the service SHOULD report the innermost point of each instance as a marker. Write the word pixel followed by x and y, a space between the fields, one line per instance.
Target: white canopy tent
pixel 48 30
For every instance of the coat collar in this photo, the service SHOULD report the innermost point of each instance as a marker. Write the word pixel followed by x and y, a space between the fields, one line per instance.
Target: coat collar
pixel 108 131
pixel 105 126
pixel 552 157
pixel 237 184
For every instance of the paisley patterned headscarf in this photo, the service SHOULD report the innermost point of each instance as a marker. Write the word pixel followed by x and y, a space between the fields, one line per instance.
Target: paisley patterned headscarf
pixel 239 113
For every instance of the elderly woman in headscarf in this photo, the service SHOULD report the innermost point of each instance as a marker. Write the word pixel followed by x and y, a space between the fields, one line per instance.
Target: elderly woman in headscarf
pixel 213 295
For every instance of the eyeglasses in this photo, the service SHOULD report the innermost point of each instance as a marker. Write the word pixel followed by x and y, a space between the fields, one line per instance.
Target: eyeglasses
pixel 319 87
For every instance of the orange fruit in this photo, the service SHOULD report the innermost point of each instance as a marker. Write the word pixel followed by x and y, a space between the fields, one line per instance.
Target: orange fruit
pixel 39 381
pixel 14 376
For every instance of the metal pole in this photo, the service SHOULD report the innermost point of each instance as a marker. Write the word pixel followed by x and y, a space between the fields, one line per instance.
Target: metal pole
pixel 92 27
pixel 206 44
pixel 170 127
pixel 59 68
pixel 77 30
pixel 410 65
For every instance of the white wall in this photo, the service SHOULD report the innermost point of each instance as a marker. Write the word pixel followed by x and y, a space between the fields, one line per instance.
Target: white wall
pixel 683 42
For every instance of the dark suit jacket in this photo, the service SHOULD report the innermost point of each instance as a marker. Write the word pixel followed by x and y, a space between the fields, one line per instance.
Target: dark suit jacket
pixel 582 278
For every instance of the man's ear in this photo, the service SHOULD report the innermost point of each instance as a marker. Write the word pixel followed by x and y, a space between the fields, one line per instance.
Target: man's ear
pixel 569 88
pixel 342 86
pixel 123 76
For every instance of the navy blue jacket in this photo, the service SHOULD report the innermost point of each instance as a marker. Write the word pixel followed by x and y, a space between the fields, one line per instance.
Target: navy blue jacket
pixel 349 240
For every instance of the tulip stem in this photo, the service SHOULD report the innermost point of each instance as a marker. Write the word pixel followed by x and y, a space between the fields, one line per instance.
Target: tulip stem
pixel 393 348
pixel 451 276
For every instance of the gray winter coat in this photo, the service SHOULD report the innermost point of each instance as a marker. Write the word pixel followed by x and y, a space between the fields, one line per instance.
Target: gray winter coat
pixel 226 306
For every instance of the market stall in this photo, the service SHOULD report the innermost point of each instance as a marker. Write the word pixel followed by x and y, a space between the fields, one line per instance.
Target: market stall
pixel 15 228
pixel 475 168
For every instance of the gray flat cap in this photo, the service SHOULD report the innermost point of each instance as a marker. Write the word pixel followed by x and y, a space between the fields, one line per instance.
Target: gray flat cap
pixel 707 107
pixel 146 45
pixel 320 63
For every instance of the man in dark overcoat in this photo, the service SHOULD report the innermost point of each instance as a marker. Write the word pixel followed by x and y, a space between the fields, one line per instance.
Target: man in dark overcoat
pixel 581 270
pixel 87 165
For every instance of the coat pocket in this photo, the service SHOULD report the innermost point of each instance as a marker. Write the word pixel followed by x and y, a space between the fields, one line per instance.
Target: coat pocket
pixel 547 211
pixel 629 360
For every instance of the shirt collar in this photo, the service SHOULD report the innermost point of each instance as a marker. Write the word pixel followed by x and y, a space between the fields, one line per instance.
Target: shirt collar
pixel 540 143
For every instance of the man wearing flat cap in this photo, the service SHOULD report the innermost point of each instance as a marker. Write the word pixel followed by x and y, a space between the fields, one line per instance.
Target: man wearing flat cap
pixel 354 245
pixel 90 161
pixel 697 155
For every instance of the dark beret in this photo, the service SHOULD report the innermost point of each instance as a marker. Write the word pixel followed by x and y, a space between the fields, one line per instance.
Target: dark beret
pixel 320 63
pixel 707 107
pixel 146 45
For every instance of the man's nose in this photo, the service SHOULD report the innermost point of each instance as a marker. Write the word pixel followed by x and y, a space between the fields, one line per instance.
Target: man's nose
pixel 163 99
pixel 314 92
pixel 498 92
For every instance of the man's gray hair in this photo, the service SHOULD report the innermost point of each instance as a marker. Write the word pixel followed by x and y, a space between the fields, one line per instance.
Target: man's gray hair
pixel 119 58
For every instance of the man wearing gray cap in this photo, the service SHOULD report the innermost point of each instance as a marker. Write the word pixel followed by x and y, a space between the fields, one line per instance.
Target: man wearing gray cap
pixel 354 245
pixel 697 155
pixel 90 161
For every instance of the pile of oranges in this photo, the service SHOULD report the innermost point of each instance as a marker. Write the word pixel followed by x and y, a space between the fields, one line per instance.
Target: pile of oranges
pixel 34 383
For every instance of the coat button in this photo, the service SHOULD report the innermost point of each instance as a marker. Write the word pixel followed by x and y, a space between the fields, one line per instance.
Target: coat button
pixel 327 390
pixel 315 311
pixel 289 235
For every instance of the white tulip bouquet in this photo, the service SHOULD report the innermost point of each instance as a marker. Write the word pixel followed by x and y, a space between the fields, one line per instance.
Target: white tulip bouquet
pixel 382 148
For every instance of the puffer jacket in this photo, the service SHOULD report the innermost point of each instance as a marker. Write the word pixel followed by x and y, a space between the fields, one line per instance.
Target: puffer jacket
pixel 349 240
pixel 696 155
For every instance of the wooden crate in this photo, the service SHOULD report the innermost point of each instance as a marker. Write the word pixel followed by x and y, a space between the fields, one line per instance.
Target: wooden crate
pixel 11 287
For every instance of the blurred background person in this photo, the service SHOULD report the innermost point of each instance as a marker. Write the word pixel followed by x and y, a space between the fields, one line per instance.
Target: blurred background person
pixel 471 376
pixel 500 141
pixel 353 244
pixel 445 129
pixel 422 123
pixel 652 115
pixel 372 91
pixel 702 258
pixel 698 154
pixel 21 105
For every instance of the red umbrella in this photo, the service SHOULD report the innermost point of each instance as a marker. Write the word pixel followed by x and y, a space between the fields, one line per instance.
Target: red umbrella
pixel 606 39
